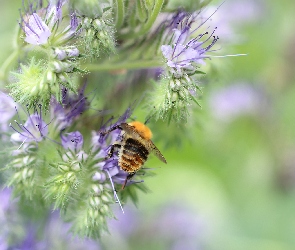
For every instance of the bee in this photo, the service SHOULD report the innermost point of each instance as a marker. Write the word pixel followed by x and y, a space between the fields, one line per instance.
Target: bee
pixel 133 148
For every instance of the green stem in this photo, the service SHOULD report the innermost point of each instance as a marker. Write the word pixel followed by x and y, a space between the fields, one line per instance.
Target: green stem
pixel 128 65
pixel 119 13
pixel 7 64
pixel 146 27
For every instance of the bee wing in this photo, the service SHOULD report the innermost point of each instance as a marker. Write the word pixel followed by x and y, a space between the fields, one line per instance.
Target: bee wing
pixel 130 131
pixel 152 147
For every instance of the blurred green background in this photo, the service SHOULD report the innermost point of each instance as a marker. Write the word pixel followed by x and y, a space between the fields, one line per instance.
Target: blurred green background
pixel 231 184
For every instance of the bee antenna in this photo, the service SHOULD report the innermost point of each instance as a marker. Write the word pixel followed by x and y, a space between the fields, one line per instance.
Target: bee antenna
pixel 147 119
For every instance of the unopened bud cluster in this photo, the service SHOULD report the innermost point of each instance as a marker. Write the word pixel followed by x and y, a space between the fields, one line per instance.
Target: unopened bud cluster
pixel 99 36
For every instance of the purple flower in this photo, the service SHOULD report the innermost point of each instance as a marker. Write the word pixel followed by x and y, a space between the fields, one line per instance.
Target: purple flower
pixel 57 234
pixel 54 12
pixel 37 32
pixel 72 141
pixel 185 48
pixel 40 25
pixel 5 197
pixel 7 110
pixel 186 227
pixel 71 30
pixel 235 100
pixel 125 224
pixel 34 129
pixel 71 108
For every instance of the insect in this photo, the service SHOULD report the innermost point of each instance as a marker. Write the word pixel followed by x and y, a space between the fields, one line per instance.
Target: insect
pixel 134 147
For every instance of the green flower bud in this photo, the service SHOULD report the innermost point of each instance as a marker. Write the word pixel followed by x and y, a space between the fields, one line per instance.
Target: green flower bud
pixel 30 86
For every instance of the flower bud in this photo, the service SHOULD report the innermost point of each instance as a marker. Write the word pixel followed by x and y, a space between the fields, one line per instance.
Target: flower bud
pixel 60 54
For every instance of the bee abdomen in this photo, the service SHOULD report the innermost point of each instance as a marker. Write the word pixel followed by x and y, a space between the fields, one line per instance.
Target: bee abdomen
pixel 130 164
pixel 135 147
pixel 132 156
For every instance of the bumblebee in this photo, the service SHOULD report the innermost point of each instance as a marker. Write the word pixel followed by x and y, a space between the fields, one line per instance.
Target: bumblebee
pixel 133 148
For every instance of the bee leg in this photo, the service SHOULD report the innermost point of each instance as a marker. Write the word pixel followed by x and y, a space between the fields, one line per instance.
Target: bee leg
pixel 111 152
pixel 111 129
pixel 128 177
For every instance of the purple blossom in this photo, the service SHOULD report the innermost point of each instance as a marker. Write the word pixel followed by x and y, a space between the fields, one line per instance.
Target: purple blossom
pixel 54 12
pixel 185 47
pixel 72 141
pixel 125 224
pixel 37 32
pixel 71 30
pixel 5 197
pixel 7 110
pixel 39 25
pixel 186 227
pixel 30 241
pixel 235 100
pixel 72 107
pixel 56 234
pixel 34 129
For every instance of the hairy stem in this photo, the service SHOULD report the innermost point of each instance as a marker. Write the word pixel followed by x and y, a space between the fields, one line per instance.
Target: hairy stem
pixel 125 65
pixel 119 13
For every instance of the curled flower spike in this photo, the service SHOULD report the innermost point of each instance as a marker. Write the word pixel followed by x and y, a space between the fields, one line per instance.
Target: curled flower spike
pixel 72 141
pixel 184 52
pixel 185 49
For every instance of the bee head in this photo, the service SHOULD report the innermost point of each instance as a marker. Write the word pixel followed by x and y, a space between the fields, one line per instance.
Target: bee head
pixel 141 129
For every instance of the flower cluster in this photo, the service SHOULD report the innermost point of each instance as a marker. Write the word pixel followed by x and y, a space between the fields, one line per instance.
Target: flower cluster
pixel 50 34
pixel 63 40
pixel 59 157
pixel 77 177
pixel 185 48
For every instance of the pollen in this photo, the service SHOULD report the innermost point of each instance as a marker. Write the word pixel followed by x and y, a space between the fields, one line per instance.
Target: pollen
pixel 142 129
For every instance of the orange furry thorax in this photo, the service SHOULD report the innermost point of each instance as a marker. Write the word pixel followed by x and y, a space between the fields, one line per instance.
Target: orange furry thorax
pixel 141 129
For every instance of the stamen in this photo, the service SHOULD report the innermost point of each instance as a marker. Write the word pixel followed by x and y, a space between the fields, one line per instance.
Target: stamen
pixel 230 55
pixel 208 18
pixel 10 125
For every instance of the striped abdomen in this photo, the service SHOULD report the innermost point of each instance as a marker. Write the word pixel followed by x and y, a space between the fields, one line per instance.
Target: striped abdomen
pixel 132 155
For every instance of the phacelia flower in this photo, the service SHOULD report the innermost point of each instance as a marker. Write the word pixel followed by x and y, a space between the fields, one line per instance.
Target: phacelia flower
pixel 185 46
pixel 42 25
pixel 187 50
pixel 46 27
pixel 72 141
pixel 37 32
pixel 7 110
pixel 34 129
pixel 238 99
pixel 70 108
